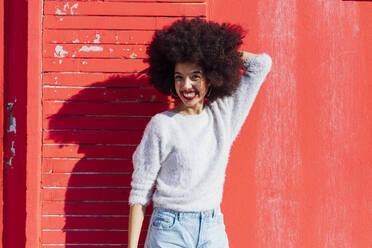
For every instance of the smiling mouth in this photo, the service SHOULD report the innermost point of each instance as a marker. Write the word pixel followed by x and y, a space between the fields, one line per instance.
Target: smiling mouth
pixel 189 95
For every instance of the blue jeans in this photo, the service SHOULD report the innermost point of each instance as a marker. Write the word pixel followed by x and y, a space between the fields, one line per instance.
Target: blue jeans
pixel 170 229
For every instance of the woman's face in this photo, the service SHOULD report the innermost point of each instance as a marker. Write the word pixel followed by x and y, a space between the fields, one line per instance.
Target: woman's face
pixel 190 84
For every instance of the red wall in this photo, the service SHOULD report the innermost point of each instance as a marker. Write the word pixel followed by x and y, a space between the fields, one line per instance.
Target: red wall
pixel 299 172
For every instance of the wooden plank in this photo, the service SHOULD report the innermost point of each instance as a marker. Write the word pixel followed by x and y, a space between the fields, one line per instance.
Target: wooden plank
pixel 93 137
pixel 106 22
pixel 88 237
pixel 77 8
pixel 95 51
pixel 93 65
pixel 102 94
pixel 96 79
pixel 87 151
pixel 83 165
pixel 100 222
pixel 139 1
pixel 51 207
pixel 103 108
pixel 86 180
pixel 86 194
pixel 126 37
pixel 95 122
pixel 88 208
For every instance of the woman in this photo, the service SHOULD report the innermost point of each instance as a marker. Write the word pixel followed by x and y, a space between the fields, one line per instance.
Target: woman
pixel 184 151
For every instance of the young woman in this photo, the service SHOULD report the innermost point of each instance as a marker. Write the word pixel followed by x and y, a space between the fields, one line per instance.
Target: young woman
pixel 184 151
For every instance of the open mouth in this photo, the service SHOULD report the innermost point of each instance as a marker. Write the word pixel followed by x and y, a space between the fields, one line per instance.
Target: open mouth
pixel 189 95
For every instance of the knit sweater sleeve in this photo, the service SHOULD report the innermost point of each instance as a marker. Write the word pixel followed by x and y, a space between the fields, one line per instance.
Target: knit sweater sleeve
pixel 146 163
pixel 239 104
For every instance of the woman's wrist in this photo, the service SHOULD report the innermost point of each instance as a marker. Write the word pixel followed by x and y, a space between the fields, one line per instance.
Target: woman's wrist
pixel 246 56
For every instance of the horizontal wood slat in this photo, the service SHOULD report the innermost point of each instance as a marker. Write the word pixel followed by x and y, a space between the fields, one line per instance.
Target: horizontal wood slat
pixel 88 237
pixel 95 51
pixel 93 65
pixel 103 108
pixel 123 8
pixel 86 194
pixel 93 137
pixel 95 122
pixel 87 208
pixel 124 37
pixel 86 180
pixel 106 22
pixel 87 151
pixel 103 94
pixel 108 223
pixel 139 1
pixel 83 165
pixel 96 79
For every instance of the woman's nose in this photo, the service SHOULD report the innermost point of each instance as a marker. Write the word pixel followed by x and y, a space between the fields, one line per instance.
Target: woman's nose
pixel 187 83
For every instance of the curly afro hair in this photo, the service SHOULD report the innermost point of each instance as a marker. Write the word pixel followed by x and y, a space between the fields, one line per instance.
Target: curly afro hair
pixel 211 46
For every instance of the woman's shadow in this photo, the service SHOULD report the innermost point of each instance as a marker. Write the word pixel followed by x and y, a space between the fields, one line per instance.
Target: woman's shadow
pixel 90 138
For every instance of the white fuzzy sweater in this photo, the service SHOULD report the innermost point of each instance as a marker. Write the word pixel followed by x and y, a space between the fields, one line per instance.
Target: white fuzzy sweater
pixel 185 156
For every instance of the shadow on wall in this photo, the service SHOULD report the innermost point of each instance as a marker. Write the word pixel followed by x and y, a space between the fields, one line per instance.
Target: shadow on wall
pixel 89 172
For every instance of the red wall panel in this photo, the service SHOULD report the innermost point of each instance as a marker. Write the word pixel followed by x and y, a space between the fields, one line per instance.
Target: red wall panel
pixel 300 172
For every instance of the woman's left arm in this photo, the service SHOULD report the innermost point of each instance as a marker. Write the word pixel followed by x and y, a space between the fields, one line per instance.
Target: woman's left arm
pixel 257 66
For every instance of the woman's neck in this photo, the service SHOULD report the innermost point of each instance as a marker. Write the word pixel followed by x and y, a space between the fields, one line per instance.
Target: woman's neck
pixel 194 110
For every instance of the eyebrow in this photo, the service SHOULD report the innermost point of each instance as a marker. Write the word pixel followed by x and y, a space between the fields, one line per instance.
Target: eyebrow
pixel 194 72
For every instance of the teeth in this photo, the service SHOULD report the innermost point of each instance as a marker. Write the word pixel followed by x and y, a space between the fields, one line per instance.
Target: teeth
pixel 189 94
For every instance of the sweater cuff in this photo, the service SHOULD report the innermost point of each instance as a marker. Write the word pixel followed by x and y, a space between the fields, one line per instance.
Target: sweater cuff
pixel 135 198
pixel 261 63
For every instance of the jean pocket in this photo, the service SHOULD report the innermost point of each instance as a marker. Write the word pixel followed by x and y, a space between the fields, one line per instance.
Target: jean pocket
pixel 163 220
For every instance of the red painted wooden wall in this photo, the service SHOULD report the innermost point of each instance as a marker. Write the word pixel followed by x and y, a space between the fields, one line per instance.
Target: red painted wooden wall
pixel 78 99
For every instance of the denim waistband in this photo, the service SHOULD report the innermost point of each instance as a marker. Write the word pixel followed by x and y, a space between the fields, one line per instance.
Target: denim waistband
pixel 211 212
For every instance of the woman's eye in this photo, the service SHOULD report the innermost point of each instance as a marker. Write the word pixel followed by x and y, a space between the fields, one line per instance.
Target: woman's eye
pixel 178 77
pixel 195 77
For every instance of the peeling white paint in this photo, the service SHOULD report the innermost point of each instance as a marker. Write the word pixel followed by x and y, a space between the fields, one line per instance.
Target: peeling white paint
pixel 61 19
pixel 12 149
pixel 60 61
pixel 111 50
pixel 73 7
pixel 97 40
pixel 65 7
pixel 74 55
pixel 12 119
pixel 54 41
pixel 133 56
pixel 59 52
pixel 91 49
pixel 75 41
pixel 59 12
pixel 84 62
